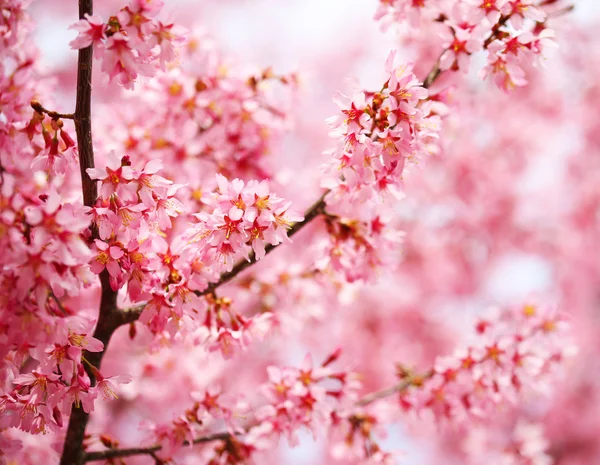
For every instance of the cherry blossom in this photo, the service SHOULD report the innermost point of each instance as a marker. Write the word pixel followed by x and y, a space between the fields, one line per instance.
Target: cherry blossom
pixel 181 283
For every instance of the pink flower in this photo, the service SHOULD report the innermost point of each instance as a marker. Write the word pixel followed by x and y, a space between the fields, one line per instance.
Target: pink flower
pixel 504 69
pixel 521 9
pixel 117 173
pixel 459 44
pixel 120 62
pixel 108 257
pixel 243 214
pixel 91 32
pixel 148 181
pixel 108 386
pixel 168 207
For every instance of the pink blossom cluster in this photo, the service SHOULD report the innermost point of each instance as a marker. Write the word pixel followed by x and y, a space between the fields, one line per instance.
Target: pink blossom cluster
pixel 292 399
pixel 228 331
pixel 358 250
pixel 507 58
pixel 131 43
pixel 209 408
pixel 305 397
pixel 514 355
pixel 516 443
pixel 58 148
pixel 208 116
pixel 379 132
pixel 245 218
pixel 512 31
pixel 356 437
pixel 44 262
pixel 516 352
pixel 132 206
pixel 57 378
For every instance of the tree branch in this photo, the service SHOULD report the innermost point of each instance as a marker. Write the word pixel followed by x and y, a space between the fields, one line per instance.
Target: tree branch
pixel 131 314
pixel 108 317
pixel 83 113
pixel 414 380
pixel 314 211
pixel 37 106
pixel 433 74
pixel 115 453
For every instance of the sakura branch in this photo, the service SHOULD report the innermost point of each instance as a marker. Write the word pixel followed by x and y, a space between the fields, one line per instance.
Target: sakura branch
pixel 482 25
pixel 73 447
pixel 117 453
pixel 513 353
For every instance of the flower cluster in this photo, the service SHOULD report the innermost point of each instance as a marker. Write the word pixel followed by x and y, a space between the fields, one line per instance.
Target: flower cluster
pixel 45 257
pixel 514 355
pixel 208 409
pixel 131 43
pixel 229 330
pixel 207 117
pixel 245 218
pixel 304 397
pixel 132 205
pixel 358 250
pixel 508 57
pixel 354 433
pixel 293 399
pixel 39 397
pixel 59 147
pixel 380 132
pixel 513 33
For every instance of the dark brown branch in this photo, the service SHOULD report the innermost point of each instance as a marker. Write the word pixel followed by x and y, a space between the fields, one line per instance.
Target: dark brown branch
pixel 83 113
pixel 115 453
pixel 37 106
pixel 108 317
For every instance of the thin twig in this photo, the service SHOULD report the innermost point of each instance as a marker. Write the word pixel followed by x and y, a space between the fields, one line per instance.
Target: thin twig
pixel 562 11
pixel 114 453
pixel 414 380
pixel 434 73
pixel 37 106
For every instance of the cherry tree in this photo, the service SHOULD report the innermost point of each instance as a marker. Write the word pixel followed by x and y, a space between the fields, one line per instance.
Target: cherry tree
pixel 198 267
